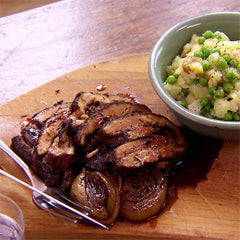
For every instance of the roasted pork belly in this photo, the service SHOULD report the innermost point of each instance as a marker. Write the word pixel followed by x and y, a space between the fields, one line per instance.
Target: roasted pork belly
pixel 84 136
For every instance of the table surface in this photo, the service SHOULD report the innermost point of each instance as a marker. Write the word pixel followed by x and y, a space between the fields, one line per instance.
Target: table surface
pixel 44 43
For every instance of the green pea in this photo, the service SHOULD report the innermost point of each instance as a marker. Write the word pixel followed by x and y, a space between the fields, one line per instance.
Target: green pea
pixel 221 64
pixel 230 75
pixel 212 102
pixel 204 102
pixel 206 51
pixel 235 117
pixel 219 93
pixel 176 75
pixel 185 90
pixel 216 50
pixel 212 112
pixel 171 79
pixel 235 80
pixel 208 107
pixel 208 34
pixel 228 116
pixel 211 90
pixel 183 103
pixel 227 87
pixel 221 40
pixel 206 65
pixel 226 57
pixel 201 40
pixel 233 63
pixel 198 54
pixel 204 111
pixel 217 35
pixel 203 81
pixel 194 81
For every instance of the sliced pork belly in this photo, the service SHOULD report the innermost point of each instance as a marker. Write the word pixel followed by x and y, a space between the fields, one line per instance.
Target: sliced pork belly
pixel 61 152
pixel 88 102
pixel 144 152
pixel 46 142
pixel 38 167
pixel 137 125
pixel 33 130
pixel 122 132
pixel 58 108
pixel 107 113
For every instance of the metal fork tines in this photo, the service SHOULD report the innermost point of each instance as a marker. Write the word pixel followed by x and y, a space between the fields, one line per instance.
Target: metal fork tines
pixel 49 199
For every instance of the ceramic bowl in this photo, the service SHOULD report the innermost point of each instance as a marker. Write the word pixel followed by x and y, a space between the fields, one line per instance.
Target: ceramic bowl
pixel 171 45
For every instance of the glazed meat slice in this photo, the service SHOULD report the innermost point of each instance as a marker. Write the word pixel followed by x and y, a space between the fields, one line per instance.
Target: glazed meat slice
pixel 51 126
pixel 61 152
pixel 88 102
pixel 32 131
pixel 58 108
pixel 53 168
pixel 131 127
pixel 137 125
pixel 144 152
pixel 38 167
pixel 44 143
pixel 107 113
pixel 50 130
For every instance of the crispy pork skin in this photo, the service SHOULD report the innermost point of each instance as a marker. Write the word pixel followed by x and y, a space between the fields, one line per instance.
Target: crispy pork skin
pixel 107 113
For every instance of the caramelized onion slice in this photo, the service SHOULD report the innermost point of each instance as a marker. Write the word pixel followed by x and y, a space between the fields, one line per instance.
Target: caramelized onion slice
pixel 143 195
pixel 98 192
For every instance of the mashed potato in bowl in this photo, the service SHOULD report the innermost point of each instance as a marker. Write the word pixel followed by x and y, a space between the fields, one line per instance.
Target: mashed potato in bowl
pixel 205 78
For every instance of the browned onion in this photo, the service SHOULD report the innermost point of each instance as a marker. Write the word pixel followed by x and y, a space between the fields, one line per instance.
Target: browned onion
pixel 143 195
pixel 99 192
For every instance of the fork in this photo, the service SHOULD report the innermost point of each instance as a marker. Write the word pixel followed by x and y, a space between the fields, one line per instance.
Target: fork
pixel 47 198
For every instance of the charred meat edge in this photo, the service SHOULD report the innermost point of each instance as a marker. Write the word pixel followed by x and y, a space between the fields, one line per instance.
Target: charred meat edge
pixel 33 129
pixel 136 125
pixel 107 113
pixel 129 128
pixel 144 152
pixel 88 102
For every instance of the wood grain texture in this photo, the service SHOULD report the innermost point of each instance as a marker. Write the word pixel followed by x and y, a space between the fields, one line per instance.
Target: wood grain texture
pixel 204 197
pixel 39 45
pixel 15 6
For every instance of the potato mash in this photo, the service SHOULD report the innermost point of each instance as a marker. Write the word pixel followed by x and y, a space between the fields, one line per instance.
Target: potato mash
pixel 205 78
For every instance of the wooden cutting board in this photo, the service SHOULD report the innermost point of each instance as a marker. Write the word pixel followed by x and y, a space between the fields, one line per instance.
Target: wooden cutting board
pixel 204 196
